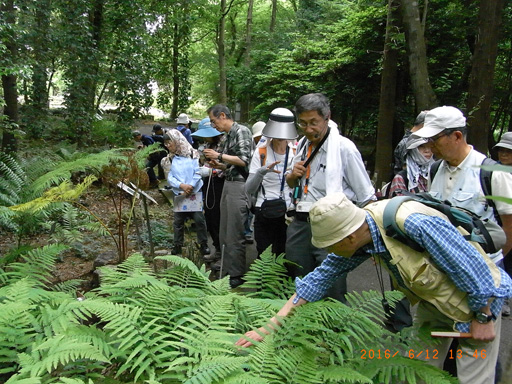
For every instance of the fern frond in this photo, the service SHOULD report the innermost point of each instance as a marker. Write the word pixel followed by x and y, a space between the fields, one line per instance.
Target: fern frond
pixel 140 346
pixel 61 350
pixel 16 379
pixel 404 369
pixel 269 278
pixel 335 374
pixel 13 179
pixel 6 219
pixel 68 286
pixel 65 192
pixel 184 273
pixel 37 264
pixel 214 369
pixel 93 163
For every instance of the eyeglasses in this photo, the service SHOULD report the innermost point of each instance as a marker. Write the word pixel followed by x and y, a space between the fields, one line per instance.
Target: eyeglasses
pixel 439 135
pixel 313 124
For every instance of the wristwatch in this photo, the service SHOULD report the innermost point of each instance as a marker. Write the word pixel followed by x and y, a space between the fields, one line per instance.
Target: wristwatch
pixel 219 157
pixel 484 318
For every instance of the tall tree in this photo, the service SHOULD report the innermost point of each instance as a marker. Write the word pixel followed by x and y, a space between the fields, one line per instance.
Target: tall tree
pixel 417 53
pixel 9 78
pixel 221 50
pixel 273 16
pixel 481 79
pixel 37 111
pixel 387 101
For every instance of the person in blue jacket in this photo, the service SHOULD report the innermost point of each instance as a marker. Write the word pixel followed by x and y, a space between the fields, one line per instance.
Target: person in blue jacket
pixel 184 179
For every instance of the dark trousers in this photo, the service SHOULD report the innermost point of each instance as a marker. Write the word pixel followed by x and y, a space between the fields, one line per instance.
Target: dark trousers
pixel 179 227
pixel 155 159
pixel 212 192
pixel 300 250
pixel 269 232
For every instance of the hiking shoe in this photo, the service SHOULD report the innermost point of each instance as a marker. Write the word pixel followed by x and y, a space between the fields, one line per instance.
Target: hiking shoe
pixel 203 248
pixel 176 251
pixel 505 310
pixel 216 266
pixel 211 258
pixel 235 281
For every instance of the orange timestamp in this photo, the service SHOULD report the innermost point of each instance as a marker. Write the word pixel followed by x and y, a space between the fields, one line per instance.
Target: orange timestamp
pixel 428 354
pixel 425 354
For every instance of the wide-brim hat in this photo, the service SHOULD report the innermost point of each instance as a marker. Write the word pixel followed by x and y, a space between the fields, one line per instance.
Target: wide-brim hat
pixel 333 218
pixel 205 129
pixel 505 142
pixel 415 141
pixel 281 125
pixel 183 119
pixel 439 119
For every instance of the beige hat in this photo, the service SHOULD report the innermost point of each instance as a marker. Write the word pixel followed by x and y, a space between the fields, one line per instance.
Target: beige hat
pixel 333 218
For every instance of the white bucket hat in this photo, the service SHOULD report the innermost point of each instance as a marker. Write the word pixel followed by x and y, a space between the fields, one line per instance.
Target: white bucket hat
pixel 183 119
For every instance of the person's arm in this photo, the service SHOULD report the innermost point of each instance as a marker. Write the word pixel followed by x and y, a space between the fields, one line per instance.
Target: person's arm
pixel 456 257
pixel 483 332
pixel 312 287
pixel 354 173
pixel 273 323
pixel 506 224
pixel 255 179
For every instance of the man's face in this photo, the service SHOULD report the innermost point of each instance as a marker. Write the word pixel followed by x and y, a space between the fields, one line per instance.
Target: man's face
pixel 345 247
pixel 313 125
pixel 442 144
pixel 221 123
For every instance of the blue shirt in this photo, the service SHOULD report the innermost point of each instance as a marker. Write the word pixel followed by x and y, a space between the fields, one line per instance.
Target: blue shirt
pixel 448 249
pixel 184 170
pixel 185 132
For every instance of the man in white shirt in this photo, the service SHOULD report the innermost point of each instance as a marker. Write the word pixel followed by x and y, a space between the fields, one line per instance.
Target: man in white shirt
pixel 337 166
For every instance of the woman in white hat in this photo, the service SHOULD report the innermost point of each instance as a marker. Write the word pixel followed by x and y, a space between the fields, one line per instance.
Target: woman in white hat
pixel 271 158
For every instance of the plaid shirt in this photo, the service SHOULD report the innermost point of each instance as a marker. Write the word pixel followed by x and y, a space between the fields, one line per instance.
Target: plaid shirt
pixel 448 250
pixel 238 142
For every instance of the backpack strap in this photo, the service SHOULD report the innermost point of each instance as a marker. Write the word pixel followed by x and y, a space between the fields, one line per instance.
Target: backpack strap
pixel 485 183
pixel 391 226
pixel 434 168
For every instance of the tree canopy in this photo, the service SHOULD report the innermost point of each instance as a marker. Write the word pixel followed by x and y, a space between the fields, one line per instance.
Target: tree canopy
pixel 183 56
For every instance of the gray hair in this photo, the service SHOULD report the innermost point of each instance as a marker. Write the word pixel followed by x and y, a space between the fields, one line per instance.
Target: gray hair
pixel 313 102
pixel 217 109
pixel 420 119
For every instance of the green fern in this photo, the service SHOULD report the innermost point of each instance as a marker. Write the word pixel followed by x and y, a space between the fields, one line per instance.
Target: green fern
pixel 268 276
pixel 36 264
pixel 92 163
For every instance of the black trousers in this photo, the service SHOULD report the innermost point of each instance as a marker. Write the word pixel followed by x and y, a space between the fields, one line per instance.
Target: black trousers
pixel 269 232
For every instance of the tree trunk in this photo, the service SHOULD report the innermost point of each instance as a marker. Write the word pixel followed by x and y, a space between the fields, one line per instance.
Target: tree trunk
pixel 274 16
pixel 386 118
pixel 417 52
pixel 248 36
pixel 223 97
pixel 481 79
pixel 175 75
pixel 38 111
pixel 9 142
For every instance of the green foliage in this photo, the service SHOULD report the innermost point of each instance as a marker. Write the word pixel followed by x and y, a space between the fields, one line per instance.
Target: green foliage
pixel 179 327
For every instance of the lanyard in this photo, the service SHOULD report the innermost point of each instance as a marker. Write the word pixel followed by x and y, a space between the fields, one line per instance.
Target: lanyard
pixel 308 171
